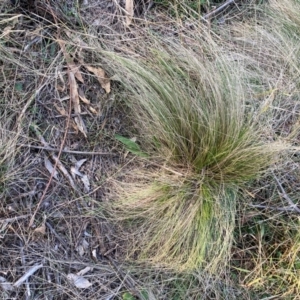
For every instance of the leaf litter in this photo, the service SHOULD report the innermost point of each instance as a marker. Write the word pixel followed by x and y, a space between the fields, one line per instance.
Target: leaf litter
pixel 68 202
pixel 78 280
pixel 41 123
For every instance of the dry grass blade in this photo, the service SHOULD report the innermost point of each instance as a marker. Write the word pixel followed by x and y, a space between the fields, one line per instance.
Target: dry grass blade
pixel 192 114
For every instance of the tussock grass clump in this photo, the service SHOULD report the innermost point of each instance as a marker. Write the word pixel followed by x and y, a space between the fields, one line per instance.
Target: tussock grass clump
pixel 190 111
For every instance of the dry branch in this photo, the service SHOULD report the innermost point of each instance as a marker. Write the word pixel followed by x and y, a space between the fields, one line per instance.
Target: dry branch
pixel 30 272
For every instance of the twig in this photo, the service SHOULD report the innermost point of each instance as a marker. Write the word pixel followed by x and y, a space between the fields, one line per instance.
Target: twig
pixel 217 10
pixel 49 226
pixel 292 206
pixel 125 277
pixel 72 115
pixel 30 272
pixel 121 8
pixel 30 100
pixel 55 158
pixel 8 220
pixel 285 209
pixel 28 294
pixel 30 194
pixel 48 148
pixel 62 168
pixel 286 197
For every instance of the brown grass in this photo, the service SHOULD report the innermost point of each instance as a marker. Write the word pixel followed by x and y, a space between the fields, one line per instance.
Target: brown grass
pixel 71 230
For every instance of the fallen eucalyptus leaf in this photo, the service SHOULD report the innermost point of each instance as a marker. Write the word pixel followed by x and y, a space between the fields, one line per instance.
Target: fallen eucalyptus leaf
pixel 80 163
pixel 5 285
pixel 101 77
pixel 79 281
pixel 30 272
pixel 50 168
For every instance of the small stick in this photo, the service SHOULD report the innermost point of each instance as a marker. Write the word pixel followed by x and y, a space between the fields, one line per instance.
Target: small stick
pixel 8 220
pixel 30 272
pixel 49 226
pixel 58 164
pixel 48 148
pixel 286 197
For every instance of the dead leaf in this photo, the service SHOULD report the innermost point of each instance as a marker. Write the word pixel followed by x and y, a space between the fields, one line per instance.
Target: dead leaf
pixel 50 168
pixel 62 111
pixel 81 126
pixel 6 31
pixel 86 183
pixel 74 92
pixel 70 61
pixel 94 254
pixel 130 11
pixel 40 230
pixel 101 77
pixel 76 72
pixel 29 272
pixel 72 70
pixel 79 281
pixel 79 163
pixel 86 101
pixel 5 285
pixel 81 249
pixel 75 100
pixel 84 178
pixel 75 172
pixel 93 110
pixel 64 171
pixel 82 97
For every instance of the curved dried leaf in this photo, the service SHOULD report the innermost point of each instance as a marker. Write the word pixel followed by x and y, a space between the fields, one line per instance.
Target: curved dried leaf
pixel 101 77
pixel 79 163
pixel 79 281
pixel 5 285
pixel 50 168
